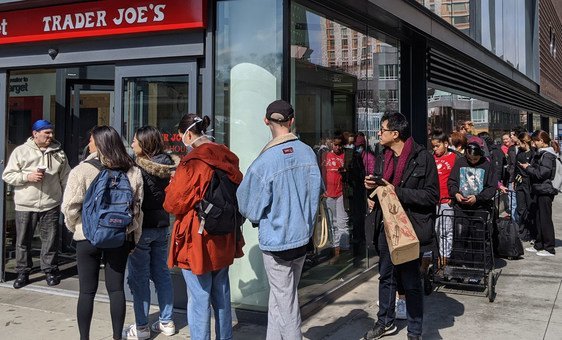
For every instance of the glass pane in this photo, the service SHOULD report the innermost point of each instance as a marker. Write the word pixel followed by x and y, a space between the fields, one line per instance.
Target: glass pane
pixel 343 79
pixel 156 101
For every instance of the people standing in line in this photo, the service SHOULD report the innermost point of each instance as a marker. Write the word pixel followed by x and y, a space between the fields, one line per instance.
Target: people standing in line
pixel 367 155
pixel 541 172
pixel 445 161
pixel 280 193
pixel 506 143
pixel 204 258
pixel 106 147
pixel 512 153
pixel 411 171
pixel 38 171
pixel 148 261
pixel 527 228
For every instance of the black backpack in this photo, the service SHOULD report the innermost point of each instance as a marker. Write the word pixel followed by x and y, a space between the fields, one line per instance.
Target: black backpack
pixel 218 210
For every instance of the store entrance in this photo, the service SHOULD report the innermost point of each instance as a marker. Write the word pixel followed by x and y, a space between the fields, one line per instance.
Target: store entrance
pixel 89 103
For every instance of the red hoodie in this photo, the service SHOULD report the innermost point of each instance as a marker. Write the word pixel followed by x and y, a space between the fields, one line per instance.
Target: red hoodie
pixel 200 253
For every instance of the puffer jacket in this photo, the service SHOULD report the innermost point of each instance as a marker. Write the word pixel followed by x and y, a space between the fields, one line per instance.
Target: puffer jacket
pixel 24 160
pixel 79 180
pixel 541 172
pixel 156 173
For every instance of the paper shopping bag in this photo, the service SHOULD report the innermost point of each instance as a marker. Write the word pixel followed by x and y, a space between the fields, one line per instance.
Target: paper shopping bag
pixel 403 243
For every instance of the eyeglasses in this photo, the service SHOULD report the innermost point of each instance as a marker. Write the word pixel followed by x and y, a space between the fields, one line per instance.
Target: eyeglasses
pixel 382 130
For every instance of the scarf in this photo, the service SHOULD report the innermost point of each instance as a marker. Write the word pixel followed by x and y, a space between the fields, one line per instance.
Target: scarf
pixel 400 166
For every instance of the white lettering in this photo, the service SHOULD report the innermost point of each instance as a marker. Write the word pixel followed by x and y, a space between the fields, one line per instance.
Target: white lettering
pixel 89 19
pixel 80 20
pixel 130 15
pixel 4 27
pixel 101 19
pixel 119 20
pixel 56 23
pixel 142 14
pixel 47 21
pixel 158 14
pixel 68 22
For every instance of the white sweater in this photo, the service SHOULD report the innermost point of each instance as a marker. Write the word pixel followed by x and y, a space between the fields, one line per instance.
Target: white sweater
pixel 78 183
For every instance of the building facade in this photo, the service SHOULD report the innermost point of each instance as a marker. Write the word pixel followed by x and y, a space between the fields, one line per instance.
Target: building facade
pixel 342 64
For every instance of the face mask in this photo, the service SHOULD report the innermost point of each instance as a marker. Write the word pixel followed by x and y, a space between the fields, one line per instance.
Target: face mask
pixel 189 146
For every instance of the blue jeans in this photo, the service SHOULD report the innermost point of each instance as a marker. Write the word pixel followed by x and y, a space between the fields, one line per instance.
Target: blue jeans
pixel 148 261
pixel 409 275
pixel 211 288
pixel 513 203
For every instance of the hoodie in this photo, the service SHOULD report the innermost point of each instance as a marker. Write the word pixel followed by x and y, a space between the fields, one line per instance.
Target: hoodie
pixel 24 160
pixel 200 253
pixel 542 170
pixel 156 173
pixel 477 179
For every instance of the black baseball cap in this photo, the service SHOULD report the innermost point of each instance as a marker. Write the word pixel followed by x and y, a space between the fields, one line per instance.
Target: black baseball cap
pixel 279 111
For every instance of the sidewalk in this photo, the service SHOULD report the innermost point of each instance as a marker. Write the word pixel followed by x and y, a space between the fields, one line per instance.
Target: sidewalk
pixel 526 307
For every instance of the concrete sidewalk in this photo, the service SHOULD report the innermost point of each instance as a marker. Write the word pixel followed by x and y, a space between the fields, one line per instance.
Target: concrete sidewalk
pixel 526 307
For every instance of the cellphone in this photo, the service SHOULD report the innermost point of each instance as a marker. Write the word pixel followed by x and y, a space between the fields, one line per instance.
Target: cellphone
pixel 379 180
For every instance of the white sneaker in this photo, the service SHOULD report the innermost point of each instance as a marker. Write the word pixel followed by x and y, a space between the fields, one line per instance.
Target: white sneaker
pixel 531 249
pixel 165 328
pixel 133 333
pixel 401 309
pixel 544 253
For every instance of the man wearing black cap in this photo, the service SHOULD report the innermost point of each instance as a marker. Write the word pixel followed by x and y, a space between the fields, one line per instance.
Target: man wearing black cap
pixel 37 170
pixel 280 194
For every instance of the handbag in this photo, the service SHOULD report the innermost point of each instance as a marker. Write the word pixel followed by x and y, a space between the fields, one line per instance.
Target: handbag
pixel 322 226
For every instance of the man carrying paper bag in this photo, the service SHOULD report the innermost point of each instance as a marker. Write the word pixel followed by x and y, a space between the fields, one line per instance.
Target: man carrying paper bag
pixel 405 173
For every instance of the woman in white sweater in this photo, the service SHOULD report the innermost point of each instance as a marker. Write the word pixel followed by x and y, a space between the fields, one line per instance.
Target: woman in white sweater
pixel 105 147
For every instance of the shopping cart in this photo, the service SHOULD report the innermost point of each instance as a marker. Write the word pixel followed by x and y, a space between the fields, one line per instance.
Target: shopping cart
pixel 465 261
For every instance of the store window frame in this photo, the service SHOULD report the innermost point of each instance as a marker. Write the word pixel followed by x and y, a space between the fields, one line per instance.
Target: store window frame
pixel 3 129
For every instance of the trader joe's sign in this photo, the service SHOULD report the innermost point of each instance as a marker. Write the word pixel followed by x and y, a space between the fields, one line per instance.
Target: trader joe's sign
pixel 100 18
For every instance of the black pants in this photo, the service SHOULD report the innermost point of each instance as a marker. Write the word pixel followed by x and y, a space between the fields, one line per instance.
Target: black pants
pixel 88 259
pixel 527 228
pixel 545 227
pixel 48 223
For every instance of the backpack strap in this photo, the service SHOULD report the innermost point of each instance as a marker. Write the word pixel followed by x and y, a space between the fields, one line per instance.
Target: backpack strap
pixel 96 163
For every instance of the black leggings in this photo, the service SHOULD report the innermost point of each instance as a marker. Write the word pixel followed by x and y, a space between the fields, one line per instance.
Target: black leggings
pixel 88 260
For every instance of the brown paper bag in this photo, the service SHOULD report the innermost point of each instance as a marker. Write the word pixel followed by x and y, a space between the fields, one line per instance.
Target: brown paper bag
pixel 403 243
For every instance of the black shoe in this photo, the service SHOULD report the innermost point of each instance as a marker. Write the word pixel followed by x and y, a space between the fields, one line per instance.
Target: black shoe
pixel 21 281
pixel 414 337
pixel 52 279
pixel 379 331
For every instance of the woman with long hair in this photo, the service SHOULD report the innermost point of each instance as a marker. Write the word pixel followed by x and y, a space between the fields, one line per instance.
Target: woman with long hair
pixel 106 148
pixel 541 172
pixel 148 261
pixel 527 229
pixel 204 258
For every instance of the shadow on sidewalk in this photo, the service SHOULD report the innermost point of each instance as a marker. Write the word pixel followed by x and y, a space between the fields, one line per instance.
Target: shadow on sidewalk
pixel 440 312
pixel 341 328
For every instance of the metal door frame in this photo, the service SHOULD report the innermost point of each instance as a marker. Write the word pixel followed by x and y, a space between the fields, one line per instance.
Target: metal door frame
pixel 4 120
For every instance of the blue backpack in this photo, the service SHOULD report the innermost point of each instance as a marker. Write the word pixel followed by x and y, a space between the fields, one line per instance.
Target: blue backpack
pixel 107 209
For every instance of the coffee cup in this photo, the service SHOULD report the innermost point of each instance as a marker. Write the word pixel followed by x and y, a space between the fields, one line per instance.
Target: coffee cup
pixel 41 169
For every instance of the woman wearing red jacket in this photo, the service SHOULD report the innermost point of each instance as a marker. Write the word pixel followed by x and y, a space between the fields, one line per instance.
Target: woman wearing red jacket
pixel 203 258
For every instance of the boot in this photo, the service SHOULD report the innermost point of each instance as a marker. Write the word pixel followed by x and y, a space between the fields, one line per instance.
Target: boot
pixel 21 281
pixel 414 337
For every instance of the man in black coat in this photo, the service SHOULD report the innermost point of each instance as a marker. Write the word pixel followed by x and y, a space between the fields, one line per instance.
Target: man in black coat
pixel 411 171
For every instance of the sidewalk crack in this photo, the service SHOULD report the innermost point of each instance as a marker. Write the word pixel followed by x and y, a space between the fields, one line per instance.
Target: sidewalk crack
pixel 552 310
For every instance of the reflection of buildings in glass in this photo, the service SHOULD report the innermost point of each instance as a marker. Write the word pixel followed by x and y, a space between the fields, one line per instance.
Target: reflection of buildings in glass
pixel 455 12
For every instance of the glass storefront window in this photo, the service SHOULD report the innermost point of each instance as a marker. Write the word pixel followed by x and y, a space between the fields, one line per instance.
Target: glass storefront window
pixel 156 101
pixel 335 95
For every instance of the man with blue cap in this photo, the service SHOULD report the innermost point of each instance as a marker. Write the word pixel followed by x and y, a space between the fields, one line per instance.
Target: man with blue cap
pixel 37 170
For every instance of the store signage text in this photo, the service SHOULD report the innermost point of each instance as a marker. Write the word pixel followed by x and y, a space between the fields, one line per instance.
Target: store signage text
pixel 100 18
pixel 19 85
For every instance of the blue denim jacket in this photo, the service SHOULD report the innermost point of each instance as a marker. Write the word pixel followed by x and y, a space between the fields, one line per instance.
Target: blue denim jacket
pixel 281 191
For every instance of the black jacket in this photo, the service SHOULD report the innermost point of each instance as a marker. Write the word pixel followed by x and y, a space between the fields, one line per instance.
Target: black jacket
pixel 522 180
pixel 512 152
pixel 498 160
pixel 156 173
pixel 541 172
pixel 484 198
pixel 418 192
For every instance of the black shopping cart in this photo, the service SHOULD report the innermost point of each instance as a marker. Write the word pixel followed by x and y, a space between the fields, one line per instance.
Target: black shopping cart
pixel 465 261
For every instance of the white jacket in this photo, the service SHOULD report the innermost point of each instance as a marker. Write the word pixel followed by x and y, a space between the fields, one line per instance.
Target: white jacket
pixel 24 160
pixel 79 181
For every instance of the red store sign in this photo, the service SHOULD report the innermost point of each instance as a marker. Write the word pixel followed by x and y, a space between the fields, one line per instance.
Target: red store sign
pixel 100 18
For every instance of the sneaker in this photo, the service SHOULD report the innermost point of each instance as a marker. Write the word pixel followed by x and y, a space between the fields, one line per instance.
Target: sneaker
pixel 167 328
pixel 21 281
pixel 401 309
pixel 379 331
pixel 531 249
pixel 544 253
pixel 52 279
pixel 134 333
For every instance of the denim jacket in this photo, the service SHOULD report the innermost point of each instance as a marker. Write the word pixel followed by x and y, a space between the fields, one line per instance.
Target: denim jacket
pixel 281 192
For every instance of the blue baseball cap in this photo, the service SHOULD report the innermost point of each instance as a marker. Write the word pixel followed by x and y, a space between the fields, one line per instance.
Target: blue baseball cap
pixel 42 124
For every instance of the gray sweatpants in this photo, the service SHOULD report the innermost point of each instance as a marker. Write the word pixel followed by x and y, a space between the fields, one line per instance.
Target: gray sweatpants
pixel 284 315
pixel 340 219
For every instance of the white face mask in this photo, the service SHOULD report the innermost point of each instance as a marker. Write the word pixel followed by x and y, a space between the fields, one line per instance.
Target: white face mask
pixel 189 146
